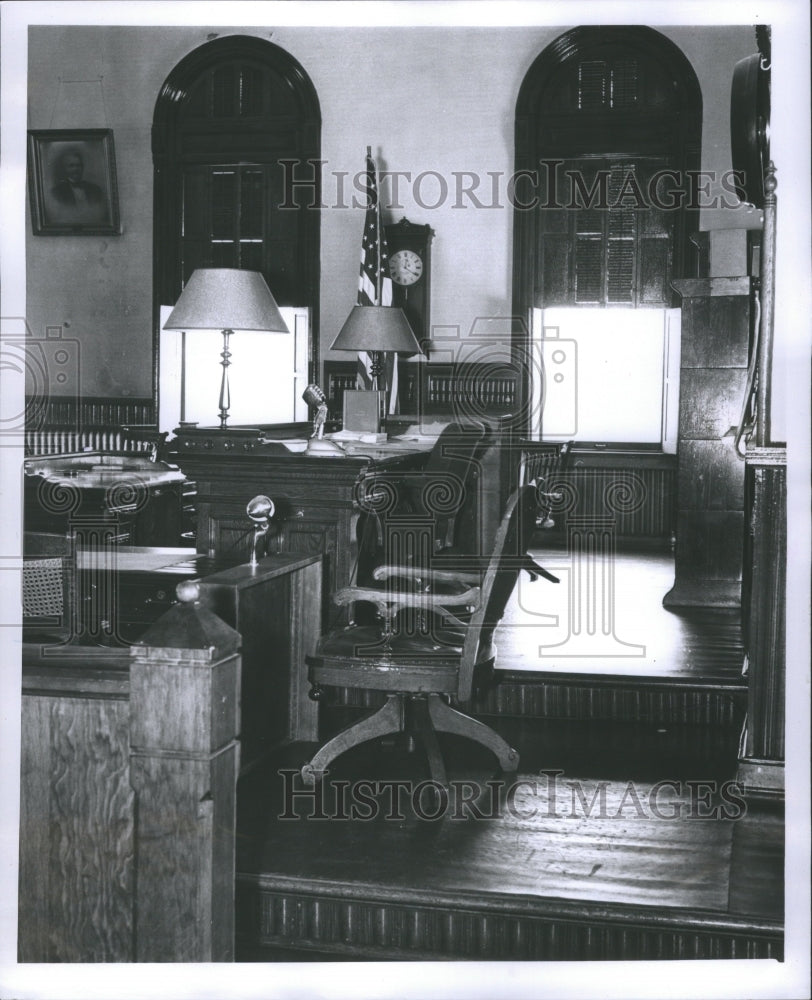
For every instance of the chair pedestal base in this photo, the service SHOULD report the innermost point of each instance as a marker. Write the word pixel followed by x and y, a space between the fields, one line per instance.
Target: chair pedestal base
pixel 446 719
pixel 429 715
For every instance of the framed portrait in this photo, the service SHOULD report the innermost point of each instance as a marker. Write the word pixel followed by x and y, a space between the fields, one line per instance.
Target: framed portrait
pixel 72 182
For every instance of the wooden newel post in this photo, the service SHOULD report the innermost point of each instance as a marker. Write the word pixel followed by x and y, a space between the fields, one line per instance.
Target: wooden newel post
pixel 184 762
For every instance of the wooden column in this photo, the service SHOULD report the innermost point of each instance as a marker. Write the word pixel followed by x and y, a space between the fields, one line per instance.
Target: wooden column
pixel 710 475
pixel 761 764
pixel 184 761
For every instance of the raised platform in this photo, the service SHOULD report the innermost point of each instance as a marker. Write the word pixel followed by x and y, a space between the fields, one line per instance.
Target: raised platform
pixel 614 842
pixel 640 662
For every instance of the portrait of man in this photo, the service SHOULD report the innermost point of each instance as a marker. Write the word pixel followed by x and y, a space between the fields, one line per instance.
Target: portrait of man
pixel 73 182
pixel 73 197
pixel 72 190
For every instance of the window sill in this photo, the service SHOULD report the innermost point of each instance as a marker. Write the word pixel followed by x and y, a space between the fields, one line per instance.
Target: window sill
pixel 584 456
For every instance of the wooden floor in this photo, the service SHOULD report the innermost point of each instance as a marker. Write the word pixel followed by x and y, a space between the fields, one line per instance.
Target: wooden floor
pixel 622 630
pixel 642 849
pixel 606 864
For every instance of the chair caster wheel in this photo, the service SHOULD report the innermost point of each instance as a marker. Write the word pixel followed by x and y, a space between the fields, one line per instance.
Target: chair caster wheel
pixel 316 693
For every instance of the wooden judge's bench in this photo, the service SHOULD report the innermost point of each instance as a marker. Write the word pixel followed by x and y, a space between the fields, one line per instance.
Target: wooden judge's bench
pixel 315 489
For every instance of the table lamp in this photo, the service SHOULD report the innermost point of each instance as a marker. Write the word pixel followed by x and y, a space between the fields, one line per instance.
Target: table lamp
pixel 376 329
pixel 227 299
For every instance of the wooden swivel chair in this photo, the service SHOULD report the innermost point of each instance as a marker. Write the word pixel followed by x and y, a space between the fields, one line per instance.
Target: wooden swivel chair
pixel 456 496
pixel 425 669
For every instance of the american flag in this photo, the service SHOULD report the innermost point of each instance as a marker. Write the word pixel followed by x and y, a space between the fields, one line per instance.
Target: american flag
pixel 374 281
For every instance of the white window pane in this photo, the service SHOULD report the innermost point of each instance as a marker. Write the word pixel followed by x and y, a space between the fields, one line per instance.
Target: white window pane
pixel 603 376
pixel 267 375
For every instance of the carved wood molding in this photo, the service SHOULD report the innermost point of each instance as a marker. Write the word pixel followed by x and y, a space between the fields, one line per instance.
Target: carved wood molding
pixel 383 923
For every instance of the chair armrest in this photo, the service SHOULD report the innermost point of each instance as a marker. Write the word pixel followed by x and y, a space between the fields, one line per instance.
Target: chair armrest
pixel 393 599
pixel 535 570
pixel 427 575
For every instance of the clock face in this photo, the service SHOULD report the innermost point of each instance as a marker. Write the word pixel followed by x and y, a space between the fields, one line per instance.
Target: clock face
pixel 406 267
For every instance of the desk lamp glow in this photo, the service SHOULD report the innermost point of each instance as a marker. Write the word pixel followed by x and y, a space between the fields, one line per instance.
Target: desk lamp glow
pixel 227 299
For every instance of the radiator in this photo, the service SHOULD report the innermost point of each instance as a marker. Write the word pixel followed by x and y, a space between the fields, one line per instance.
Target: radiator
pixel 641 500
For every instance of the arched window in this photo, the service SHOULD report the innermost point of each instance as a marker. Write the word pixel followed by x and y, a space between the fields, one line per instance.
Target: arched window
pixel 236 127
pixel 608 133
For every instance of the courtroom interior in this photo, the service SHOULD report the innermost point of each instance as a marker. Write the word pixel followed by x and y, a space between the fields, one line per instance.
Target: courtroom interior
pixel 476 654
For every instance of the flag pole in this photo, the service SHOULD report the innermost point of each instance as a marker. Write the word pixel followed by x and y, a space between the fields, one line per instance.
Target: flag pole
pixel 378 275
pixel 378 362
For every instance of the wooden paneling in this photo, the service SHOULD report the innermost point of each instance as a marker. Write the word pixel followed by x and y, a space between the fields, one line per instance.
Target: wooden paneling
pixel 437 389
pixel 714 539
pixel 77 832
pixel 130 766
pixel 598 699
pixel 185 856
pixel 710 476
pixel 69 413
pixel 276 607
pixel 436 925
pixel 710 401
pixel 719 311
pixel 765 593
pixel 710 481
pixel 191 705
pixel 595 699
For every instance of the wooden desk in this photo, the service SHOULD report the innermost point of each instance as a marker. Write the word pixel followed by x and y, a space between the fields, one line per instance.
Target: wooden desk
pixel 315 496
pixel 276 607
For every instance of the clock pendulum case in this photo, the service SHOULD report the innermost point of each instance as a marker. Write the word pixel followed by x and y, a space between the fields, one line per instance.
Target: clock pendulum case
pixel 410 266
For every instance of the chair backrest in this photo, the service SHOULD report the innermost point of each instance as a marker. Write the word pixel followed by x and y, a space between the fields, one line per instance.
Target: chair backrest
pixel 453 491
pixel 509 556
pixel 454 498
pixel 47 587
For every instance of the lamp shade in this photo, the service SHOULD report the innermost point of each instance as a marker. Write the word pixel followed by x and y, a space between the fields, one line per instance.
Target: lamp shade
pixel 220 298
pixel 376 328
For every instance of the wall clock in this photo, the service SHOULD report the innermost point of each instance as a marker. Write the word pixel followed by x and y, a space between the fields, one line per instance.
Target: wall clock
pixel 750 122
pixel 410 266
